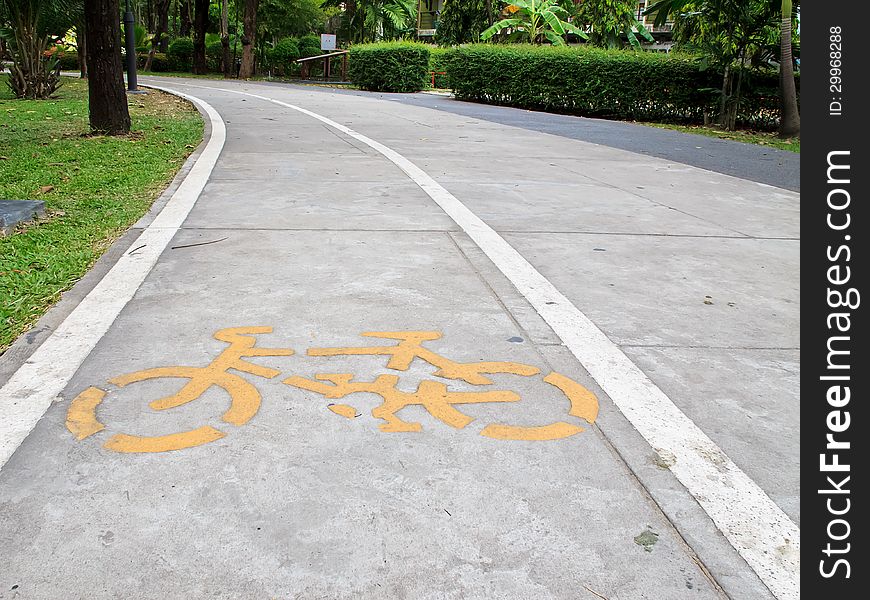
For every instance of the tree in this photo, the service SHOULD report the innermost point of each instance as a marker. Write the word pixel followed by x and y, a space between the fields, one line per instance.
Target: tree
pixel 611 20
pixel 535 21
pixel 790 119
pixel 729 33
pixel 373 20
pixel 226 63
pixel 249 34
pixel 107 100
pixel 31 27
pixel 161 35
pixel 463 21
pixel 200 24
pixel 186 22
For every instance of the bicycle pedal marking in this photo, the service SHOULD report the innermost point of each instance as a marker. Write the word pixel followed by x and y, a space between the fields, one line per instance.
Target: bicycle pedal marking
pixel 245 400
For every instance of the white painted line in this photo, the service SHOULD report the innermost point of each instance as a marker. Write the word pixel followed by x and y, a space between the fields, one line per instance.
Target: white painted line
pixel 41 379
pixel 758 529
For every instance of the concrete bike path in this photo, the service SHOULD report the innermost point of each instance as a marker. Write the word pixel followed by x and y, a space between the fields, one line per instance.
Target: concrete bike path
pixel 309 232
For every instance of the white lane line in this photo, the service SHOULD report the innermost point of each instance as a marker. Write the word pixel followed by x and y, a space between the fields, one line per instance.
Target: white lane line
pixel 40 380
pixel 758 529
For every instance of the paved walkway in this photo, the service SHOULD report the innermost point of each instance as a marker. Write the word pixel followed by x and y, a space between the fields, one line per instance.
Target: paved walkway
pixel 620 303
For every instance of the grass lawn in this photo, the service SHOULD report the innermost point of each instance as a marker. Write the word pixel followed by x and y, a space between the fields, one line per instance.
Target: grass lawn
pixel 94 188
pixel 761 138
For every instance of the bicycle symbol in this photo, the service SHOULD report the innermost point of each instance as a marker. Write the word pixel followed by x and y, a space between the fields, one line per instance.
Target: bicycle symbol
pixel 245 399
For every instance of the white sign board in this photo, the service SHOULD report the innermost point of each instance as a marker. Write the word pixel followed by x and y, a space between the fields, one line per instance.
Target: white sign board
pixel 327 41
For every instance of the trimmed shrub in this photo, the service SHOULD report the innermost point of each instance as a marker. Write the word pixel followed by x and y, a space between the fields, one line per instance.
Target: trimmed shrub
pixel 617 84
pixel 390 66
pixel 284 54
pixel 438 64
pixel 68 60
pixel 180 54
pixel 213 52
pixel 583 81
pixel 160 63
pixel 309 45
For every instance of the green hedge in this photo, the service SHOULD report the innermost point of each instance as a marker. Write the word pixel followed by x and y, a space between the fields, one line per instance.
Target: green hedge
pixel 602 83
pixel 283 56
pixel 69 60
pixel 180 54
pixel 390 66
pixel 160 63
pixel 438 63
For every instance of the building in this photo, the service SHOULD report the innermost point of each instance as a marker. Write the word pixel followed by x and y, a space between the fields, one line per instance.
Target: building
pixel 428 12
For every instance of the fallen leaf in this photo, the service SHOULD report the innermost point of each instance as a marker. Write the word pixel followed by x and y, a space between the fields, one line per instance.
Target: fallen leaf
pixel 46 189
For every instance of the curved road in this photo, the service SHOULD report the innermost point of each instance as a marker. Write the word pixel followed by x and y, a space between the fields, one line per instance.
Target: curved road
pixel 669 291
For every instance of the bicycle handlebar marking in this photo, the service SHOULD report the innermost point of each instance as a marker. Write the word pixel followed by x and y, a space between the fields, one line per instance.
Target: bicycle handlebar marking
pixel 245 399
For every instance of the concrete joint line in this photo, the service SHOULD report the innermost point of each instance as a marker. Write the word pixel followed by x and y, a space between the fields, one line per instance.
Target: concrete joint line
pixel 766 538
pixel 30 391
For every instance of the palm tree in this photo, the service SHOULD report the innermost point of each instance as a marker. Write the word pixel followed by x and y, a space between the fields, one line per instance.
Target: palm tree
pixel 790 121
pixel 535 21
pixel 31 27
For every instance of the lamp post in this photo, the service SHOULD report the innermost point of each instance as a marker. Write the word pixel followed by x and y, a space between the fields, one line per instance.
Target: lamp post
pixel 130 35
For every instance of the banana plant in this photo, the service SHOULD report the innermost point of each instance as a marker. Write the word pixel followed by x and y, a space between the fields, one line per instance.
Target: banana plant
pixel 535 21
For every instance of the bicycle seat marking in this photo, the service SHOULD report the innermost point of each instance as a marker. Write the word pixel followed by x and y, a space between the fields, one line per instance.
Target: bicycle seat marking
pixel 433 396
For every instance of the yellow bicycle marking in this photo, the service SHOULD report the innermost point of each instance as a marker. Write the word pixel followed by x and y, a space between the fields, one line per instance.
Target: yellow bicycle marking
pixel 348 412
pixel 245 399
pixel 122 442
pixel 431 395
pixel 410 347
pixel 81 418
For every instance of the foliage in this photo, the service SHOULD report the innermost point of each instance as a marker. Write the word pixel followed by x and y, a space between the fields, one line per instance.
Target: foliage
pixel 730 34
pixel 535 21
pixel 284 55
pixel 604 83
pixel 309 45
pixel 610 21
pixel 284 18
pixel 159 63
pixel 180 54
pixel 390 66
pixel 213 52
pixel 438 64
pixel 463 21
pixel 30 27
pixel 67 60
pixel 101 185
pixel 373 20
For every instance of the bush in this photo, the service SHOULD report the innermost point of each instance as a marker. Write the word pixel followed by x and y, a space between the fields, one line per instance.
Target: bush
pixel 309 45
pixel 438 63
pixel 180 54
pixel 390 66
pixel 283 56
pixel 213 53
pixel 68 60
pixel 159 64
pixel 603 83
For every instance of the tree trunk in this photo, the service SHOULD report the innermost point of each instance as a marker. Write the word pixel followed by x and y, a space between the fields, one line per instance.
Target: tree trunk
pixel 184 7
pixel 226 62
pixel 163 25
pixel 200 23
pixel 162 16
pixel 249 28
pixel 790 119
pixel 82 49
pixel 107 100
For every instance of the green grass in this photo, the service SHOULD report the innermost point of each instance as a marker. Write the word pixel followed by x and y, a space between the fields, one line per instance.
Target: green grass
pixel 94 188
pixel 761 138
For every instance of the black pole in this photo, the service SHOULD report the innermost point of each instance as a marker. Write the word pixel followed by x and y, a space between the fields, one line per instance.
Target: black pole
pixel 130 35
